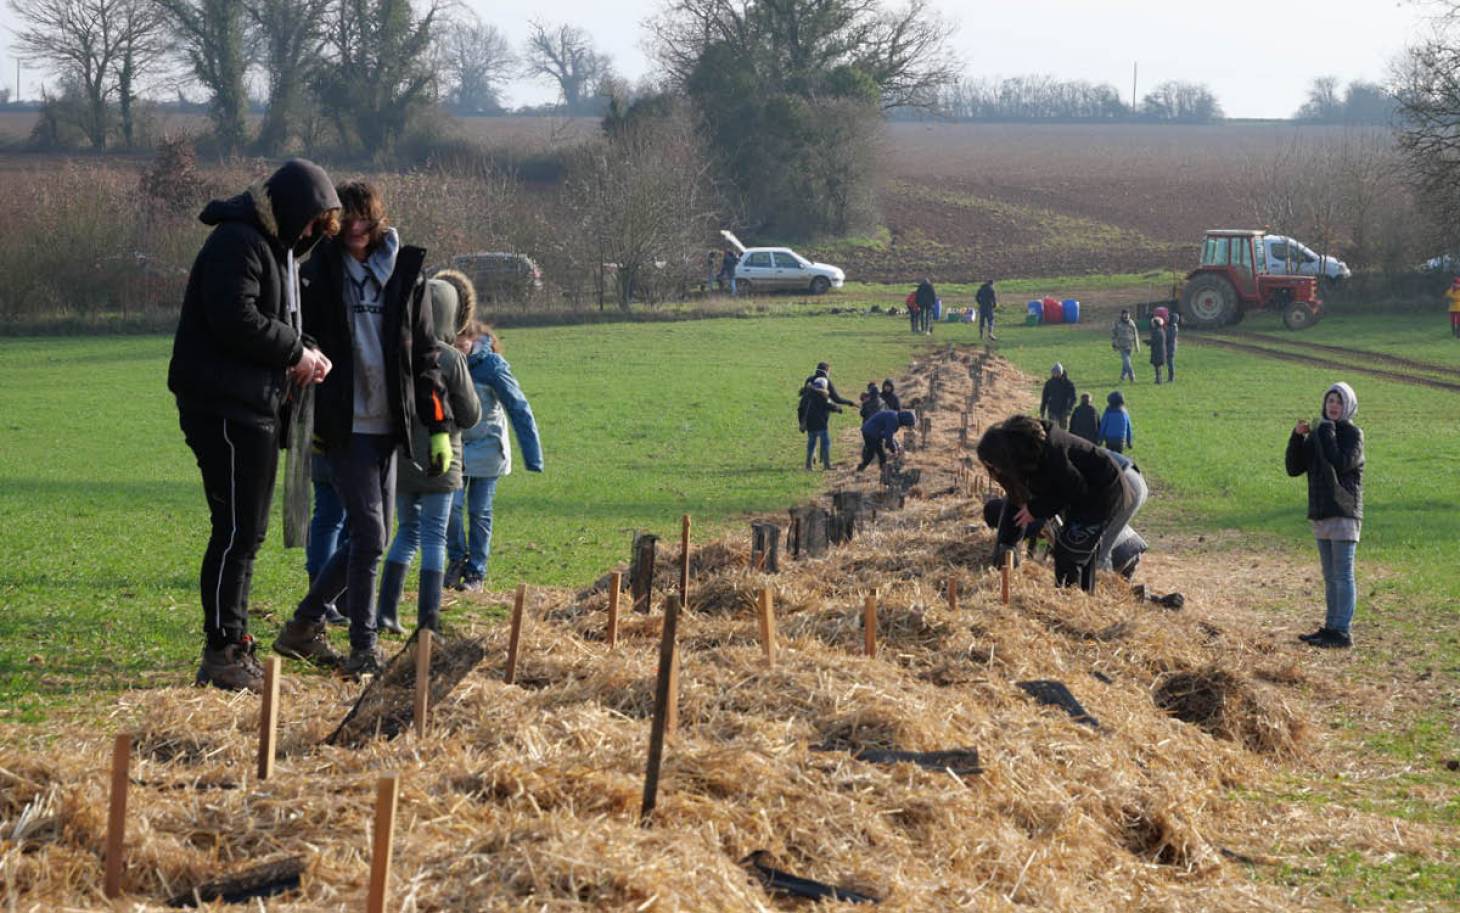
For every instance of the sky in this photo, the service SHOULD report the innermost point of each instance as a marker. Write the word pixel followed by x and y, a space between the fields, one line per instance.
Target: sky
pixel 1260 66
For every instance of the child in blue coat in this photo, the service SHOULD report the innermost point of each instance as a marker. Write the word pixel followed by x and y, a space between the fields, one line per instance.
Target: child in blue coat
pixel 1115 424
pixel 487 455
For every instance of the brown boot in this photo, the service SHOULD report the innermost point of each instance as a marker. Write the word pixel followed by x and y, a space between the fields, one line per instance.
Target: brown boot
pixel 306 640
pixel 232 668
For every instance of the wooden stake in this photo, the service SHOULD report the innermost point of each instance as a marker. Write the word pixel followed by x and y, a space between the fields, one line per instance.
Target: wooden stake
pixel 953 594
pixel 869 623
pixel 671 712
pixel 387 793
pixel 516 636
pixel 768 626
pixel 269 718
pixel 663 693
pixel 684 562
pixel 615 589
pixel 116 822
pixel 423 680
pixel 1007 569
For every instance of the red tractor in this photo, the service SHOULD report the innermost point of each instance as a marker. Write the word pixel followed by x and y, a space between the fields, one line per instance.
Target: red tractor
pixel 1233 278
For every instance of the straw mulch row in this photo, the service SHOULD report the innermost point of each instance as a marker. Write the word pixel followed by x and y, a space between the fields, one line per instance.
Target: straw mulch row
pixel 526 797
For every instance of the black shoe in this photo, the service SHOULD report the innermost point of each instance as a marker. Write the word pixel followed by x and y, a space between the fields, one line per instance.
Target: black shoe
pixel 455 570
pixel 362 662
pixel 1313 637
pixel 333 616
pixel 392 582
pixel 1333 640
pixel 471 583
pixel 306 640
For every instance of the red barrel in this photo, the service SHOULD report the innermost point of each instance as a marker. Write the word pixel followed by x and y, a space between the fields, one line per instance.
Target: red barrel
pixel 1163 312
pixel 1054 311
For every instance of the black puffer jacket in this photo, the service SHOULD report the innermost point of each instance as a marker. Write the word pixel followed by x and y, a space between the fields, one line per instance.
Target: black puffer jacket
pixel 1085 422
pixel 1333 457
pixel 1075 478
pixel 413 376
pixel 815 409
pixel 1059 396
pixel 235 337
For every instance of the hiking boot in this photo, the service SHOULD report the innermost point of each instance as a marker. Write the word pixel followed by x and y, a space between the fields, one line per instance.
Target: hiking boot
pixel 333 616
pixel 455 570
pixel 306 640
pixel 1333 640
pixel 232 668
pixel 363 661
pixel 471 583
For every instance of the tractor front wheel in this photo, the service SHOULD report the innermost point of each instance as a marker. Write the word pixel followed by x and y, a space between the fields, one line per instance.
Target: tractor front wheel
pixel 1208 302
pixel 1299 316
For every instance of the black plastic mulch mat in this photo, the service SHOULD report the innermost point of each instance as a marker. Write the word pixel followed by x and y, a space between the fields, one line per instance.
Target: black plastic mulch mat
pixel 267 880
pixel 961 761
pixel 1055 694
pixel 387 705
pixel 778 882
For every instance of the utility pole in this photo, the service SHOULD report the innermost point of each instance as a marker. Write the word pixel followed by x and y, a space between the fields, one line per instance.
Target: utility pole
pixel 1135 69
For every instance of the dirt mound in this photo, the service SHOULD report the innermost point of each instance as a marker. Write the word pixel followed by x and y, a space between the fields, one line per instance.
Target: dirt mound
pixel 1229 707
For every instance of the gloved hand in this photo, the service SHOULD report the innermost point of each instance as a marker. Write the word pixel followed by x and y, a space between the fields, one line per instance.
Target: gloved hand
pixel 440 453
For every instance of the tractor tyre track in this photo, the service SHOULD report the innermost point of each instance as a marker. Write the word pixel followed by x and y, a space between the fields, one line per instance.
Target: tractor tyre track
pixel 1300 358
pixel 1431 367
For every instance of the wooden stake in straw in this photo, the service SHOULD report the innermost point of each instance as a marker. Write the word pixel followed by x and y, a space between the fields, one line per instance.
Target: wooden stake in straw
pixel 768 626
pixel 423 680
pixel 869 623
pixel 387 792
pixel 684 562
pixel 953 594
pixel 516 636
pixel 615 589
pixel 116 822
pixel 269 718
pixel 1007 569
pixel 663 694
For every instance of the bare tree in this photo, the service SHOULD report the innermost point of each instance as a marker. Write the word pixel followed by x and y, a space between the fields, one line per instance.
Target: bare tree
pixel 565 55
pixel 1181 102
pixel 143 48
pixel 290 34
pixel 478 59
pixel 1426 84
pixel 1323 103
pixel 209 36
pixel 83 41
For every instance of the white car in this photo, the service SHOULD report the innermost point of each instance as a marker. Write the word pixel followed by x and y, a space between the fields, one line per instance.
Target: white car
pixel 766 268
pixel 1287 257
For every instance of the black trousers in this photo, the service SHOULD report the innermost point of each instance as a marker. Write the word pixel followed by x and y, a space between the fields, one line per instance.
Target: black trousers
pixel 239 462
pixel 364 474
pixel 872 447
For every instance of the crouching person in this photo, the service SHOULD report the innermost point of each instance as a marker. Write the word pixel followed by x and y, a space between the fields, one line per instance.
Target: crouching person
pixel 239 345
pixel 879 435
pixel 1047 473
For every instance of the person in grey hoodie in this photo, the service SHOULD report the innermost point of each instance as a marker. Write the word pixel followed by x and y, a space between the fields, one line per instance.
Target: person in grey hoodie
pixel 1330 453
pixel 1125 339
pixel 423 500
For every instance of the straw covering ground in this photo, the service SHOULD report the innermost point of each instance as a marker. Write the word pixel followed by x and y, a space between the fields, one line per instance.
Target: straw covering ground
pixel 527 796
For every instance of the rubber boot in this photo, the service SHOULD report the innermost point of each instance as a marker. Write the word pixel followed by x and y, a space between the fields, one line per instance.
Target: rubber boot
pixel 392 582
pixel 428 601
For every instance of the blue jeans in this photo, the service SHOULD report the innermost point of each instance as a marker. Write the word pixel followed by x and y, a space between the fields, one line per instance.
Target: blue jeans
pixel 326 526
pixel 812 437
pixel 474 546
pixel 1339 590
pixel 422 523
pixel 1126 370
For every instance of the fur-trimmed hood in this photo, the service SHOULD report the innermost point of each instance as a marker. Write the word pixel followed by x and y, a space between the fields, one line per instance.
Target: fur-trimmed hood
pixel 453 303
pixel 282 205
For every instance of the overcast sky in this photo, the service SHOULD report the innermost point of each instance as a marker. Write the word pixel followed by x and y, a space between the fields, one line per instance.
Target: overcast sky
pixel 1259 65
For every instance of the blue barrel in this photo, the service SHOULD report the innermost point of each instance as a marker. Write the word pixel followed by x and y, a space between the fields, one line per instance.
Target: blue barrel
pixel 1072 310
pixel 1036 309
pixel 937 308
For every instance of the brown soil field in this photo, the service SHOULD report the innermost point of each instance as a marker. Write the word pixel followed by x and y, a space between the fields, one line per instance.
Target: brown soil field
pixel 1187 791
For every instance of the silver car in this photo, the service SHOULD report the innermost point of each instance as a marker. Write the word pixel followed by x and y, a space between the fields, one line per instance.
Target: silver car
pixel 768 268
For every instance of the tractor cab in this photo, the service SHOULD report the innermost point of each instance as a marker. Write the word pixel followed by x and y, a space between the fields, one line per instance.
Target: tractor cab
pixel 1234 277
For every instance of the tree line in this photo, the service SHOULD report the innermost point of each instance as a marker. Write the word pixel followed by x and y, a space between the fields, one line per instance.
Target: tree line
pixel 358 69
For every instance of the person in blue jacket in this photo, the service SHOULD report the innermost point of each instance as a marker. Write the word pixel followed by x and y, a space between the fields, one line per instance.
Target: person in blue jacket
pixel 487 455
pixel 879 435
pixel 1115 425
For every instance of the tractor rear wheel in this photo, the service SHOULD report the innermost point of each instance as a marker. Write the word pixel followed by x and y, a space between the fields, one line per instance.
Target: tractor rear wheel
pixel 1208 302
pixel 1299 316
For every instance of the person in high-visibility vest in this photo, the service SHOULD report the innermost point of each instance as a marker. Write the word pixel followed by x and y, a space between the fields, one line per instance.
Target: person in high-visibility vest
pixel 1453 296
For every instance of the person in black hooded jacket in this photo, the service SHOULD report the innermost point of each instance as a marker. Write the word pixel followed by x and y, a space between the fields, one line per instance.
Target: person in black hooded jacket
pixel 239 344
pixel 1047 472
pixel 363 301
pixel 1058 397
pixel 1331 454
